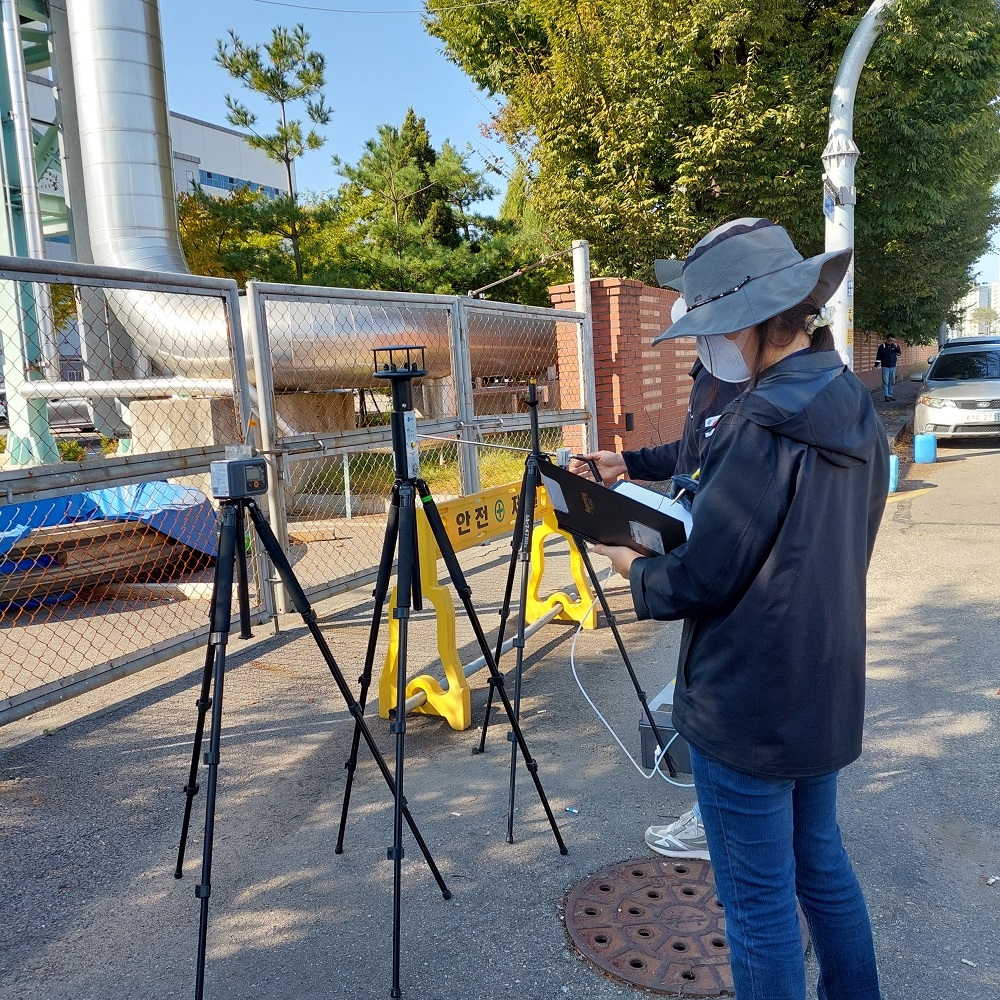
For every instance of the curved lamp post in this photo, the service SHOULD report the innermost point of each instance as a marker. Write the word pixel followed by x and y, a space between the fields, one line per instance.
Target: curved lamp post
pixel 839 160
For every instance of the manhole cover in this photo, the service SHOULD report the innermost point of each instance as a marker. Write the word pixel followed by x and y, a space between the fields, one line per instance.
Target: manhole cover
pixel 655 923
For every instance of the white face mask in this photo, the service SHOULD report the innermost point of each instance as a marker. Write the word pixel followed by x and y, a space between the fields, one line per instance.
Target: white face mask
pixel 723 357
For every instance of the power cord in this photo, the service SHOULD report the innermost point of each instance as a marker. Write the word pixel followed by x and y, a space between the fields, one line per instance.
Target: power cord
pixel 607 725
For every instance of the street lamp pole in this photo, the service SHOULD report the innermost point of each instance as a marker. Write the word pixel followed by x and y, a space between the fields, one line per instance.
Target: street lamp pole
pixel 839 160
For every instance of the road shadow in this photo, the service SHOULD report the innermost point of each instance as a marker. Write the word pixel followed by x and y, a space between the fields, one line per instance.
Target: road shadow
pixel 92 814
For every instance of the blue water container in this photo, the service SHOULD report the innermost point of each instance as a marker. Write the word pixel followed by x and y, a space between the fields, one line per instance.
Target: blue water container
pixel 893 473
pixel 924 448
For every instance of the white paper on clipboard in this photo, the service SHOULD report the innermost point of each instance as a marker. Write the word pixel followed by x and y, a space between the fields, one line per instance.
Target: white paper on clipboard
pixel 555 493
pixel 658 501
pixel 647 537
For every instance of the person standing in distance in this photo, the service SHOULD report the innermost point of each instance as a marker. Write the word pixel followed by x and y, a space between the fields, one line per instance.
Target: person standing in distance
pixel 771 585
pixel 685 837
pixel 886 357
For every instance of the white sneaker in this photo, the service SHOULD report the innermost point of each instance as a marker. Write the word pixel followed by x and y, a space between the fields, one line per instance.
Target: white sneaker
pixel 684 838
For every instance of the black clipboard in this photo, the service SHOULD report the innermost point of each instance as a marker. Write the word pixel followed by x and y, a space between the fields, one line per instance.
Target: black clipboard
pixel 603 515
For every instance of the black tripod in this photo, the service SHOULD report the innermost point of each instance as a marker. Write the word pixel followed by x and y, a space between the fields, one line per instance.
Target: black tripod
pixel 401 539
pixel 232 524
pixel 521 552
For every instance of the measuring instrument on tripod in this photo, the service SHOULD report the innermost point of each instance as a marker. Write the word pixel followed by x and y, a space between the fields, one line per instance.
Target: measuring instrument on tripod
pixel 234 485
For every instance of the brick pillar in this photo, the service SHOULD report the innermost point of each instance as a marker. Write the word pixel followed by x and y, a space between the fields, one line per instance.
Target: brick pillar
pixel 570 391
pixel 638 385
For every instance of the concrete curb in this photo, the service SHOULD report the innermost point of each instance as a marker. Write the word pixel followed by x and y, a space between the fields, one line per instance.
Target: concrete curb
pixel 897 430
pixel 898 418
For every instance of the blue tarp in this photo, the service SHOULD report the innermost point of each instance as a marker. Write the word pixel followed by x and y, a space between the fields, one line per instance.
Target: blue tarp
pixel 181 512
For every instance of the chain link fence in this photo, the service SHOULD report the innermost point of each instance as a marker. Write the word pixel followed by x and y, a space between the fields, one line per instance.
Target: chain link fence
pixel 107 531
pixel 332 447
pixel 121 388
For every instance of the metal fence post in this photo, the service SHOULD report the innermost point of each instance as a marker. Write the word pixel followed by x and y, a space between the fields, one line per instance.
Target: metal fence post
pixel 264 377
pixel 347 485
pixel 585 339
pixel 238 361
pixel 244 414
pixel 461 368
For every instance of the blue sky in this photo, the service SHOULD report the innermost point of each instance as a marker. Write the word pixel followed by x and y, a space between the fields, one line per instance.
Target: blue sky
pixel 378 65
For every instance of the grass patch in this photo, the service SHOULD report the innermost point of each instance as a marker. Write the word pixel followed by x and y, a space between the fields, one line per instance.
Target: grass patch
pixel 71 451
pixel 372 471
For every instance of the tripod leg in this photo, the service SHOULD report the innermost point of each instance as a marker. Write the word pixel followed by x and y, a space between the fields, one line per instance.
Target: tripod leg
pixel 192 787
pixel 612 621
pixel 465 593
pixel 515 547
pixel 404 580
pixel 204 703
pixel 301 603
pixel 524 555
pixel 222 598
pixel 381 589
pixel 242 576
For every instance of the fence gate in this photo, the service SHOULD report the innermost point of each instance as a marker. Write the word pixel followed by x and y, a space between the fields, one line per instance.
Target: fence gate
pixel 123 386
pixel 107 555
pixel 324 417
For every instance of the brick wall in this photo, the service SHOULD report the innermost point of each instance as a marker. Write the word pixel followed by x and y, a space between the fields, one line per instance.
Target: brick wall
pixel 638 385
pixel 647 387
pixel 865 347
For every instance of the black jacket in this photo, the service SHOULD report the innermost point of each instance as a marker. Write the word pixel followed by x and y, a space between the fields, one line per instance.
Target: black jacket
pixel 709 397
pixel 771 582
pixel 887 355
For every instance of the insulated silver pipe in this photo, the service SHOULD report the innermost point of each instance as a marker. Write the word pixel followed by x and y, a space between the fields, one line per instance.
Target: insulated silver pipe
pixel 127 162
pixel 121 95
pixel 132 388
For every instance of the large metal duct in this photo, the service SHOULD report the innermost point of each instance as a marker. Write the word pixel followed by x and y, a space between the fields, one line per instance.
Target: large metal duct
pixel 127 165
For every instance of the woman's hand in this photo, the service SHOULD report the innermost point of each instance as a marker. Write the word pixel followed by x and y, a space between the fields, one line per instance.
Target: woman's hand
pixel 621 557
pixel 609 464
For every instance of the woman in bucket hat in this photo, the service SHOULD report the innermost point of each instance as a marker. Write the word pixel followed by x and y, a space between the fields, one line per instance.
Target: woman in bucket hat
pixel 771 587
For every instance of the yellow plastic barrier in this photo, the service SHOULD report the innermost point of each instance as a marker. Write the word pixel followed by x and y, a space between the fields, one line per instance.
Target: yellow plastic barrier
pixel 469 521
pixel 452 703
pixel 583 609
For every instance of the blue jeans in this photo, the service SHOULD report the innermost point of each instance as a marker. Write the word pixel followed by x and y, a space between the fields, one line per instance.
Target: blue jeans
pixel 772 840
pixel 888 380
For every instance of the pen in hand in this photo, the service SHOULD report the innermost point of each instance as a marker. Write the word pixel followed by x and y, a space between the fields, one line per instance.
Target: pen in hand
pixel 680 493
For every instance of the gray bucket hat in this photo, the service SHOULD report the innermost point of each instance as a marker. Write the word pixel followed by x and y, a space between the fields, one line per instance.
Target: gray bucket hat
pixel 669 273
pixel 747 271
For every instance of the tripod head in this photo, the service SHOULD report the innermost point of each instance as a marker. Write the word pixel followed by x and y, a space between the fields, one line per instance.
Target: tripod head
pixel 400 366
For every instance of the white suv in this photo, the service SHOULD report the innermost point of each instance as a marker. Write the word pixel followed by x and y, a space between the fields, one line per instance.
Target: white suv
pixel 960 396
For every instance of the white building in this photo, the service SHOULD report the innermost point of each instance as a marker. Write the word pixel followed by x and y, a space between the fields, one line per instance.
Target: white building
pixel 220 159
pixel 973 322
pixel 217 158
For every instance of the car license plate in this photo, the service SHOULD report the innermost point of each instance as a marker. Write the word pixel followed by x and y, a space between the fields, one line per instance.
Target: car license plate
pixel 985 418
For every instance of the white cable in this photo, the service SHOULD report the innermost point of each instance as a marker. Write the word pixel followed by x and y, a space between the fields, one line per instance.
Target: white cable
pixel 660 753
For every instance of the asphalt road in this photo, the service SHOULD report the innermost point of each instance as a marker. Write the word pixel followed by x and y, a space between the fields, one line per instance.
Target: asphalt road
pixel 90 802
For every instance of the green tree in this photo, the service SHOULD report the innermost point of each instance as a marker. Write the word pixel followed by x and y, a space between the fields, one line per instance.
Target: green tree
pixel 405 219
pixel 647 122
pixel 235 237
pixel 290 73
pixel 985 320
